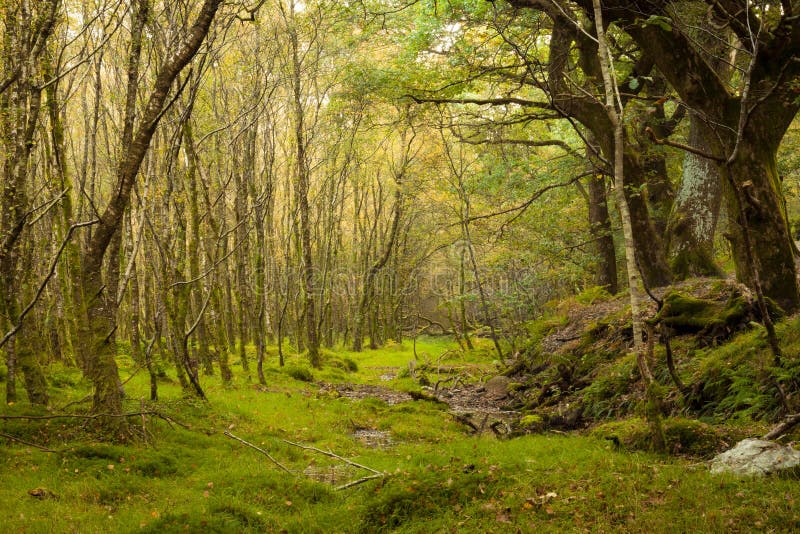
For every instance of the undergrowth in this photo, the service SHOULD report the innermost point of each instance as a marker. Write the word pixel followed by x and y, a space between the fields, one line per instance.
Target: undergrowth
pixel 438 477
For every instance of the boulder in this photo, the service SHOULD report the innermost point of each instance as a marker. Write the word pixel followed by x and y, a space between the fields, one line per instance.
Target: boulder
pixel 756 457
pixel 497 387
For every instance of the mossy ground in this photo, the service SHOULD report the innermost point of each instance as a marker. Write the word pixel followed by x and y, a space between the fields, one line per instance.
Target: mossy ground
pixel 439 478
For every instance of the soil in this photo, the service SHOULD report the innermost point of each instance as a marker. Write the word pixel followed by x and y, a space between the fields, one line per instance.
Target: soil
pixel 471 404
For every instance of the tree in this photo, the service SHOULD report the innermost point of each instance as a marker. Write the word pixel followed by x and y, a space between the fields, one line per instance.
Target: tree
pixel 748 121
pixel 97 324
pixel 27 31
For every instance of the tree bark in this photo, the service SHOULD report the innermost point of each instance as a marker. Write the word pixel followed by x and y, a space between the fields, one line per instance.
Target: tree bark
pixel 694 217
pixel 302 177
pixel 600 230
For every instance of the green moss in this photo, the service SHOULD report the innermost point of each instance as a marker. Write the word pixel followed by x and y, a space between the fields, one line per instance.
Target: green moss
pixel 420 494
pixel 158 465
pixel 688 314
pixel 345 364
pixel 682 436
pixel 300 373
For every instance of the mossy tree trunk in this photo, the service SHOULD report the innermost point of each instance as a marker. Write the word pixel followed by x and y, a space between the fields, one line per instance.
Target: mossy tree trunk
pixel 749 123
pixel 27 30
pixel 694 217
pixel 302 176
pixel 754 171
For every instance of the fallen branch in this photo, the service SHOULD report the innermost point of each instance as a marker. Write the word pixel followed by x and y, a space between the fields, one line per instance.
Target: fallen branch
pixel 787 424
pixel 333 455
pixel 95 416
pixel 359 481
pixel 262 451
pixel 12 438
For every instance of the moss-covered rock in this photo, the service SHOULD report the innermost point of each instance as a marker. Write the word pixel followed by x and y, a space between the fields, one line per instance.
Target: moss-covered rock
pixel 710 318
pixel 683 436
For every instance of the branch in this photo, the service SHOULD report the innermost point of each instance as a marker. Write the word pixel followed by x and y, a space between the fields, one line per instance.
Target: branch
pixel 525 205
pixel 787 424
pixel 199 317
pixel 359 481
pixel 93 416
pixel 482 101
pixel 522 142
pixel 40 447
pixel 333 455
pixel 696 151
pixel 262 451
pixel 47 278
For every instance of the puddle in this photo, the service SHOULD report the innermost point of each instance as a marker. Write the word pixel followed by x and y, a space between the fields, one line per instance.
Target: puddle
pixel 375 439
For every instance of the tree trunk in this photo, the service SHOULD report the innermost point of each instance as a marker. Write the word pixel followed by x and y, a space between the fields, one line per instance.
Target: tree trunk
pixel 694 216
pixel 600 230
pixel 302 176
pixel 98 325
pixel 648 245
pixel 755 171
pixel 615 115
pixel 372 273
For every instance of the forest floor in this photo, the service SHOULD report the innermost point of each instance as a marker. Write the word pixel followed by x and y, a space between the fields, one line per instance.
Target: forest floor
pixel 430 470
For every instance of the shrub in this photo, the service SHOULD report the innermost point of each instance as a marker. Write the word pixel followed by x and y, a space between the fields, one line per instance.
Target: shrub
pixel 300 373
pixel 593 294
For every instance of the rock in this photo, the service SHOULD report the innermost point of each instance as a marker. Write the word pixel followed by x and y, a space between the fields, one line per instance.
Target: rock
pixel 755 457
pixel 497 387
pixel 42 494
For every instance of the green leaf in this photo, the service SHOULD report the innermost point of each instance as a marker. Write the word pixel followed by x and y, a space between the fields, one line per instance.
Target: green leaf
pixel 665 23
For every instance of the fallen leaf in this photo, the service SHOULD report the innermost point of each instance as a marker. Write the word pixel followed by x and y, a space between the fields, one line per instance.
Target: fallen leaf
pixel 503 517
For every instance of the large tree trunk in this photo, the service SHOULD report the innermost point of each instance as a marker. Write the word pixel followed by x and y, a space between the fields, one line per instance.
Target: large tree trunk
pixel 755 172
pixel 650 251
pixel 693 221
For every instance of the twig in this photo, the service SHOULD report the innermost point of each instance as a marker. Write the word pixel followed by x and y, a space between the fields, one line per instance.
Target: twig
pixel 47 278
pixel 94 416
pixel 333 455
pixel 40 447
pixel 262 451
pixel 359 481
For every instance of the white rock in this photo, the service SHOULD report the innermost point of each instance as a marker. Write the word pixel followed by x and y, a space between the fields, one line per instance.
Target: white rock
pixel 755 457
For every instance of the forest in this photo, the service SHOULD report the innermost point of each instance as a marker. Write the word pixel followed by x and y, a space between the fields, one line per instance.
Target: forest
pixel 399 266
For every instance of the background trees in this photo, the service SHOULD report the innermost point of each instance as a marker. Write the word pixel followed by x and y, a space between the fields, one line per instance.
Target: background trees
pixel 213 185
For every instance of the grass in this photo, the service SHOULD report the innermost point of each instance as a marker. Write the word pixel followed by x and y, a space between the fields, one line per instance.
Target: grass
pixel 440 479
